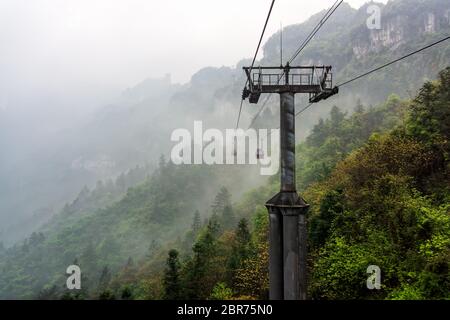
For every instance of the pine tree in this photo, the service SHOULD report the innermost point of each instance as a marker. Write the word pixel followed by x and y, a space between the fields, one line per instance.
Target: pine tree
pixel 336 118
pixel 121 183
pixel 196 223
pixel 240 249
pixel 88 260
pixel 84 193
pixel 330 207
pixel 228 218
pixel 200 270
pixel 162 163
pixel 243 233
pixel 154 246
pixel 172 287
pixel 130 263
pixel 318 135
pixel 213 227
pixel 126 293
pixel 222 199
pixel 104 279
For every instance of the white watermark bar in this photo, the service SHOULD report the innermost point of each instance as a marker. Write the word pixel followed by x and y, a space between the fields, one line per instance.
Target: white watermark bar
pixel 231 146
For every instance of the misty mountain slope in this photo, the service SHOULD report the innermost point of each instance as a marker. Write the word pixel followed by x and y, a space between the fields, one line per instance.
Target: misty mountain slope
pixel 158 213
pixel 377 182
pixel 135 129
pixel 378 185
pixel 153 211
pixel 110 224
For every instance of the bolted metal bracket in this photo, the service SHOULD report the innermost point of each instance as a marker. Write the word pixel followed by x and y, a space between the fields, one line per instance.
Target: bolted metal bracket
pixel 288 200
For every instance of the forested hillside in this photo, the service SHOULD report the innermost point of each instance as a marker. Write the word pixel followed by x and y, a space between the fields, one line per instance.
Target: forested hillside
pixel 37 179
pixel 373 162
pixel 379 187
pixel 378 184
pixel 105 229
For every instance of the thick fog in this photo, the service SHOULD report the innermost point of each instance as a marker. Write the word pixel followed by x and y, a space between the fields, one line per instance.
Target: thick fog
pixel 63 61
pixel 102 43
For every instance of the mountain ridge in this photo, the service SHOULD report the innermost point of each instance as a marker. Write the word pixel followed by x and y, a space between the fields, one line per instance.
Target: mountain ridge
pixel 135 130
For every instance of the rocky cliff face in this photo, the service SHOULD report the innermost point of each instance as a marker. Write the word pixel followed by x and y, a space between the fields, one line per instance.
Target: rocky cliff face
pixel 391 35
pixel 351 47
pixel 402 21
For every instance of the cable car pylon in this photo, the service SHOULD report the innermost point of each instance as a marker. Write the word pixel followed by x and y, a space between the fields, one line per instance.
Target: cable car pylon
pixel 287 209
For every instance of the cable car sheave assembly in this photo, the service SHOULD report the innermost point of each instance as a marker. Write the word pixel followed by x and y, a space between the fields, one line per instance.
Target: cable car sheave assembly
pixel 315 80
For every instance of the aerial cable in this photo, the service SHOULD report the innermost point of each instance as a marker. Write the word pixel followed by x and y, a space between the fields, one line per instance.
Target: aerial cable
pixel 254 57
pixel 392 62
pixel 305 42
pixel 381 67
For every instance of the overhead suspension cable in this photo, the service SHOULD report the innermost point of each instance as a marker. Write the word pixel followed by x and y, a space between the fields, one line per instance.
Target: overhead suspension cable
pixel 254 57
pixel 316 29
pixel 305 42
pixel 381 67
pixel 392 62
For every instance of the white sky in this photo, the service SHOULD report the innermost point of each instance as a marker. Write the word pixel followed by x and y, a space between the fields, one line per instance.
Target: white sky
pixel 56 44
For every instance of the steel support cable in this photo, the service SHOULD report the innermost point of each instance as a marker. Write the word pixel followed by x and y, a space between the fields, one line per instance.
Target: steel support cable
pixel 254 57
pixel 324 19
pixel 381 67
pixel 305 42
pixel 392 62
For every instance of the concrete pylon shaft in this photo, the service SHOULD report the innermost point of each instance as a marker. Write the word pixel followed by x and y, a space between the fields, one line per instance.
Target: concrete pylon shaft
pixel 302 256
pixel 287 141
pixel 287 216
pixel 276 291
pixel 291 268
